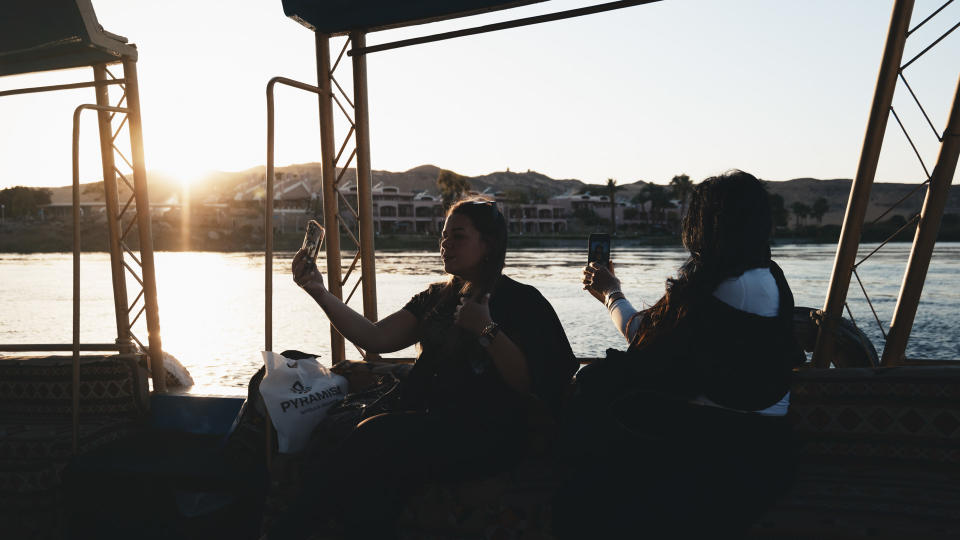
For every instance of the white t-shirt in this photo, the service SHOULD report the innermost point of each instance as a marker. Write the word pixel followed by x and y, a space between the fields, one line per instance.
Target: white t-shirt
pixel 754 291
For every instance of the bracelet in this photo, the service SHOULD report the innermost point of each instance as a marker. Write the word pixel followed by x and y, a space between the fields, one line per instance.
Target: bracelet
pixel 613 297
pixel 488 333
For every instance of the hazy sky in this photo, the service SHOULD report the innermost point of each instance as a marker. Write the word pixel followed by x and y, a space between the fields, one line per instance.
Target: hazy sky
pixel 781 89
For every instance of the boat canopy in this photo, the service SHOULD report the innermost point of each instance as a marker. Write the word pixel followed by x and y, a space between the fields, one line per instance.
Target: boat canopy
pixel 43 35
pixel 338 17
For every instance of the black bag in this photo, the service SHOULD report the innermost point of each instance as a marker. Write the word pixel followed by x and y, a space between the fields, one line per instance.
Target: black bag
pixel 620 400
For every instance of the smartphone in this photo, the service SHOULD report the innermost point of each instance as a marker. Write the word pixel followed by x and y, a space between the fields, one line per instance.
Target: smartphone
pixel 312 239
pixel 598 246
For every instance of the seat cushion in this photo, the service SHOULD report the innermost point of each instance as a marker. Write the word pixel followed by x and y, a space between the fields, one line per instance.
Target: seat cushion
pixel 52 438
pixel 113 386
pixel 511 504
pixel 866 501
pixel 899 415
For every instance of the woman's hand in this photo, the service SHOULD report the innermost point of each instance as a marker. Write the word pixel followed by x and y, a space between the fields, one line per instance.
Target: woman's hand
pixel 600 281
pixel 473 315
pixel 306 274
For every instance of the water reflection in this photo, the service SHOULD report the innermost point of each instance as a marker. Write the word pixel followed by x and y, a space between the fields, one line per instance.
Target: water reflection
pixel 211 304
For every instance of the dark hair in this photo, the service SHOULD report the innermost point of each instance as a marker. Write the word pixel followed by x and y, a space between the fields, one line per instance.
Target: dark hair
pixel 727 231
pixel 492 226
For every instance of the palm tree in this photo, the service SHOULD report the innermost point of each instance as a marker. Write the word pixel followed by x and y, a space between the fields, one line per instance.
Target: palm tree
pixel 612 189
pixel 641 199
pixel 800 211
pixel 682 188
pixel 452 186
pixel 658 197
pixel 820 207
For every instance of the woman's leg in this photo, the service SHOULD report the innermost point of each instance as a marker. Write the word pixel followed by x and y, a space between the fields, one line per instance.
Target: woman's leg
pixel 390 455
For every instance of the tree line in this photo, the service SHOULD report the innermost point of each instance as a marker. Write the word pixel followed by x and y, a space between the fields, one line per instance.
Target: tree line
pixel 23 202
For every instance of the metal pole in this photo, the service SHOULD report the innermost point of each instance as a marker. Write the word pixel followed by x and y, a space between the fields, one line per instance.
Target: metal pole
pixel 579 12
pixel 75 346
pixel 268 230
pixel 860 190
pixel 143 225
pixel 330 204
pixel 924 240
pixel 361 119
pixel 113 210
pixel 59 87
pixel 75 387
pixel 268 217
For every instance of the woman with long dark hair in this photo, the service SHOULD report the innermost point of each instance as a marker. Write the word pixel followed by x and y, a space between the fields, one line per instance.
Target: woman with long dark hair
pixel 687 428
pixel 487 345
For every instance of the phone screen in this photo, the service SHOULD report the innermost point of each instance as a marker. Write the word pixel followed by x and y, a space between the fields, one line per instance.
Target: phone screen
pixel 313 238
pixel 598 248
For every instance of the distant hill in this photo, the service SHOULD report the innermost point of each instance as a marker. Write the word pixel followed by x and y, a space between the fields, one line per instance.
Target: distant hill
pixel 222 186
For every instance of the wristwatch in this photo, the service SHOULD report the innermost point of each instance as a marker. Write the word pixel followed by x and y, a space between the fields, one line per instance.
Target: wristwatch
pixel 488 333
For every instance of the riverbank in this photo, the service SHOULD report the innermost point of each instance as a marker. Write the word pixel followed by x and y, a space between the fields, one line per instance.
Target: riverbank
pixel 57 237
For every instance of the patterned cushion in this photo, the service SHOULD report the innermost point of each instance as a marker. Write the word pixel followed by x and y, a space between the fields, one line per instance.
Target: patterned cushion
pixel 36 439
pixel 898 415
pixel 42 387
pixel 851 501
pixel 36 434
pixel 514 504
pixel 879 455
pixel 31 501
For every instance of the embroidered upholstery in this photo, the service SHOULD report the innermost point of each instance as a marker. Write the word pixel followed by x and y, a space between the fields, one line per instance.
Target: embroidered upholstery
pixel 514 504
pixel 878 455
pixel 36 433
pixel 900 415
pixel 41 387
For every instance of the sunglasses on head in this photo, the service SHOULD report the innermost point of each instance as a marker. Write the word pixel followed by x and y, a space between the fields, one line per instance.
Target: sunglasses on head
pixel 488 204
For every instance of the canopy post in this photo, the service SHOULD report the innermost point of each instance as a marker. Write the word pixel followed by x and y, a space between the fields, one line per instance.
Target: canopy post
pixel 112 201
pixel 331 218
pixel 860 190
pixel 145 234
pixel 364 179
pixel 924 240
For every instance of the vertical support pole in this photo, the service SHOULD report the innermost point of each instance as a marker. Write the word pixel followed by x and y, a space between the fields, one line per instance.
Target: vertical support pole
pixel 111 197
pixel 268 231
pixel 924 240
pixel 364 180
pixel 860 190
pixel 143 225
pixel 331 219
pixel 75 185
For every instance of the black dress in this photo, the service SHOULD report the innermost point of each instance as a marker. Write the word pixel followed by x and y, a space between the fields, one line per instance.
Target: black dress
pixel 459 419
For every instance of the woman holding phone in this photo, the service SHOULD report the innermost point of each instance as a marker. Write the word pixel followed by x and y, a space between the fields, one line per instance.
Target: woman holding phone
pixel 687 428
pixel 486 345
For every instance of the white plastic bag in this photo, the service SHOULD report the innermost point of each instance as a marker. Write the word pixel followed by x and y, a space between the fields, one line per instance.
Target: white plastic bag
pixel 298 394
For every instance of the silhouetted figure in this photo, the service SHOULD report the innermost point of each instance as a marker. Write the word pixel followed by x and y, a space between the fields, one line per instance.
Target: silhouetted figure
pixel 487 346
pixel 684 433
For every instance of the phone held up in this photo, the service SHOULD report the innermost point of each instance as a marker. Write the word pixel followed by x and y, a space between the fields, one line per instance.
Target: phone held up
pixel 598 246
pixel 312 240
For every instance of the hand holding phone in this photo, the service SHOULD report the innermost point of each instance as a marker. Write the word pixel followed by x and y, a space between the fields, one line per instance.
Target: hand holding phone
pixel 312 240
pixel 598 246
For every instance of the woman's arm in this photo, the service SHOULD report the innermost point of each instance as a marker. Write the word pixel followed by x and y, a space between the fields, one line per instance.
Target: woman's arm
pixel 603 284
pixel 393 333
pixel 474 316
pixel 622 314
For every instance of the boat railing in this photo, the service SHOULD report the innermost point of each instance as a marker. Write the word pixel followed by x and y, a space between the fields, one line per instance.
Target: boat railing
pixel 334 168
pixel 927 221
pixel 84 42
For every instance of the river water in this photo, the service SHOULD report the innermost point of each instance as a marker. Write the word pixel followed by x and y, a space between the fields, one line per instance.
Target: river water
pixel 212 315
